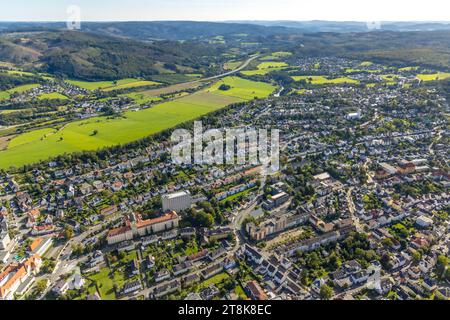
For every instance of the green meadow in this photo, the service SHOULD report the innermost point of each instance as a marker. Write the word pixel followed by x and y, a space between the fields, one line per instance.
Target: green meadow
pixel 276 55
pixel 408 68
pixel 21 73
pixel 42 144
pixel 366 63
pixel 266 67
pixel 324 80
pixel 231 65
pixel 52 96
pixel 141 97
pixel 111 85
pixel 6 94
pixel 434 76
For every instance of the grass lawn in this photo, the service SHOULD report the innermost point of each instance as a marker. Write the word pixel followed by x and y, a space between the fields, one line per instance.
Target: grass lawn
pixel 240 292
pixel 214 280
pixel 110 85
pixel 324 80
pixel 33 146
pixel 105 283
pixel 238 195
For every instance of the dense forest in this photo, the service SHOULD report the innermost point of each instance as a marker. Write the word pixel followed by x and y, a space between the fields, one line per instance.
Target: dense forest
pixel 90 56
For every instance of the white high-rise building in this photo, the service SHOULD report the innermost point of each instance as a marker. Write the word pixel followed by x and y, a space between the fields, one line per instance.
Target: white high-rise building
pixel 178 201
pixel 4 240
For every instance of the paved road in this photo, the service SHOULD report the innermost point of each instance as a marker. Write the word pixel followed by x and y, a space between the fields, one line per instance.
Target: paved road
pixel 228 73
pixel 439 136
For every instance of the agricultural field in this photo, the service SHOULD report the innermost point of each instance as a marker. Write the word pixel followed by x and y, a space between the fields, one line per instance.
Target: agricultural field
pixel 21 73
pixel 408 68
pixel 366 63
pixel 141 98
pixel 276 55
pixel 194 75
pixel 242 89
pixel 350 70
pixel 231 65
pixel 8 111
pixel 52 96
pixel 434 76
pixel 175 78
pixel 324 80
pixel 6 64
pixel 266 67
pixel 112 85
pixel 76 136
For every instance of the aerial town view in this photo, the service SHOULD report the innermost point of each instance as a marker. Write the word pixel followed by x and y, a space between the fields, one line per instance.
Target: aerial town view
pixel 181 150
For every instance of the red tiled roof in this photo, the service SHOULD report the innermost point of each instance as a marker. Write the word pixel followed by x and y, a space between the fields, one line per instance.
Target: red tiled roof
pixel 35 244
pixel 256 290
pixel 167 217
pixel 117 231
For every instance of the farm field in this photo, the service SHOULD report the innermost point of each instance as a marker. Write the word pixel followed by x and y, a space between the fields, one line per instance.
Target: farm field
pixel 324 80
pixel 242 89
pixel 231 65
pixel 52 96
pixel 21 73
pixel 266 67
pixel 174 78
pixel 276 55
pixel 366 63
pixel 171 89
pixel 77 136
pixel 8 111
pixel 110 85
pixel 434 76
pixel 408 68
pixel 141 98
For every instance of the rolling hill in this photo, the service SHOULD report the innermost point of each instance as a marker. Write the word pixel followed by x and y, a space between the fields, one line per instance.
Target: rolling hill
pixel 88 56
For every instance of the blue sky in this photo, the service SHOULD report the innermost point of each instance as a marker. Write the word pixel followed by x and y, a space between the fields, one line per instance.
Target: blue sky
pixel 218 10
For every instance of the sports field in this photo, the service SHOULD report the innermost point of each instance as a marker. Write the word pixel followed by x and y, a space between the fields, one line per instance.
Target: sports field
pixel 324 80
pixel 111 85
pixel 77 136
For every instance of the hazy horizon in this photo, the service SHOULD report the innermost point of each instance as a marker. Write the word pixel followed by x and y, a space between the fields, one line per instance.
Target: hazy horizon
pixel 232 21
pixel 228 11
